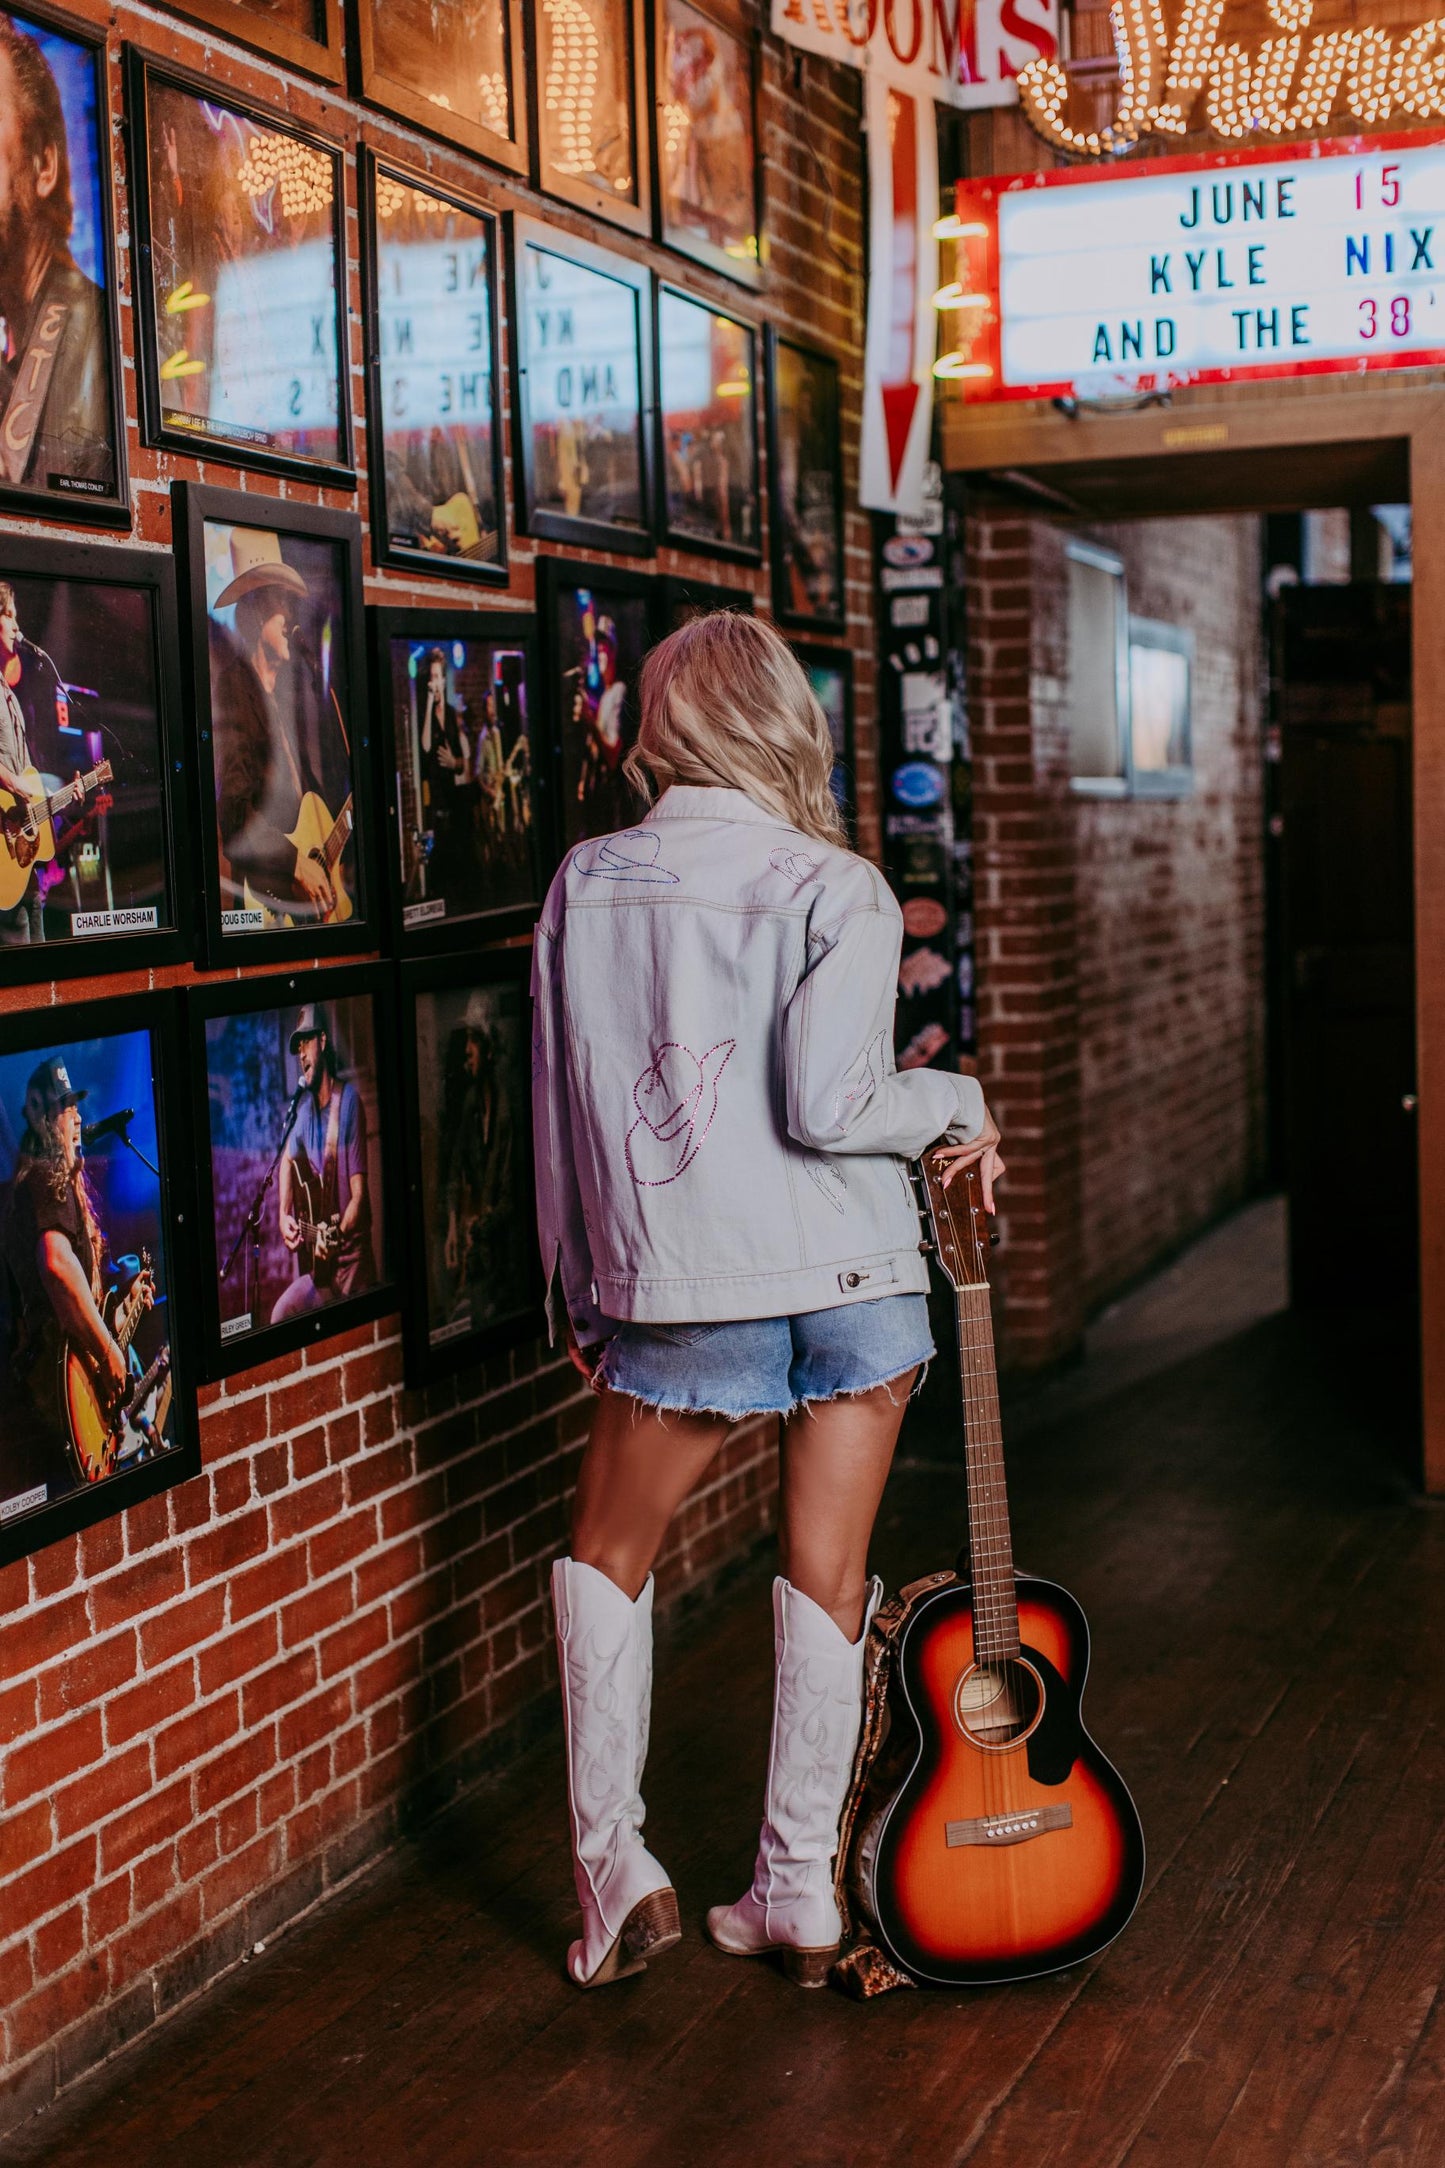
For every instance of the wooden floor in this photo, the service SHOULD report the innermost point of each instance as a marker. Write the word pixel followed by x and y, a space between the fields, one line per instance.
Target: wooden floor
pixel 1268 1604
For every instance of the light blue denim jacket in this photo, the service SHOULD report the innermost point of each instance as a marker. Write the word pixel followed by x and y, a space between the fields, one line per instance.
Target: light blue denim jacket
pixel 720 1125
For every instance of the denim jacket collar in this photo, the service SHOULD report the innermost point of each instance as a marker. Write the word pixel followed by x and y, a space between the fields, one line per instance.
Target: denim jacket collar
pixel 711 802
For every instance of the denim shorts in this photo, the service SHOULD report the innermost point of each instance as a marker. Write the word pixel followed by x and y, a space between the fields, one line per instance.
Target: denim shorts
pixel 768 1365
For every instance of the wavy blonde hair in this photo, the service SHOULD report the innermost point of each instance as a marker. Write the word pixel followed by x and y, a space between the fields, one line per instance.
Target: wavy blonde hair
pixel 725 701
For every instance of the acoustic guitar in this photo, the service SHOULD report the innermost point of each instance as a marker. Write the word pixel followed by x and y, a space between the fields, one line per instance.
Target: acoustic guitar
pixel 987 1838
pixel 96 1416
pixel 317 836
pixel 320 1235
pixel 26 830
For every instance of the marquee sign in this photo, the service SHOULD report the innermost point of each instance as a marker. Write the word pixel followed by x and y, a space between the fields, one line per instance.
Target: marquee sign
pixel 957 52
pixel 1329 257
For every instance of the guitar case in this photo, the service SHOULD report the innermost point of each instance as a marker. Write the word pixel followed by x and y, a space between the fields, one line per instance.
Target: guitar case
pixel 864 1970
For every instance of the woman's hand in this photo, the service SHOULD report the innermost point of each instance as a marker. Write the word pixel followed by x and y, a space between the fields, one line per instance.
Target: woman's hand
pixel 584 1360
pixel 982 1152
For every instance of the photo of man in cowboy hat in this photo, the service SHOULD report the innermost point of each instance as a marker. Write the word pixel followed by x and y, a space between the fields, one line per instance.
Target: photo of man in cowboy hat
pixel 323 1191
pixel 278 731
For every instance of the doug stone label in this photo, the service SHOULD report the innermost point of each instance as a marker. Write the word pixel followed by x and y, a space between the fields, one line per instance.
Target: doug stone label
pixel 1327 258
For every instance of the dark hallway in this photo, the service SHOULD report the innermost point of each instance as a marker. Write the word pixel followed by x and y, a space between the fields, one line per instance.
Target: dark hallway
pixel 1267 1600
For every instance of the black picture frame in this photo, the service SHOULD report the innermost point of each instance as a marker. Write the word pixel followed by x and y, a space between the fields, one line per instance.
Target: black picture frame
pixel 162 1127
pixel 681 598
pixel 83 500
pixel 376 175
pixel 433 1349
pixel 837 661
pixel 380 85
pixel 567 382
pixel 673 524
pixel 26 563
pixel 222 1224
pixel 145 71
pixel 635 214
pixel 412 929
pixel 195 506
pixel 318 53
pixel 791 573
pixel 639 596
pixel 748 270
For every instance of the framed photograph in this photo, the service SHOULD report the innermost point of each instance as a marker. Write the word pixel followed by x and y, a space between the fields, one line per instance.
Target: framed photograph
pixel 476 1278
pixel 96 1266
pixel 296 1128
pixel 708 168
pixel 466 846
pixel 283 740
pixel 306 34
pixel 582 341
pixel 830 673
pixel 62 420
pixel 595 625
pixel 682 600
pixel 805 471
pixel 94 869
pixel 707 396
pixel 591 124
pixel 434 378
pixel 453 67
pixel 240 279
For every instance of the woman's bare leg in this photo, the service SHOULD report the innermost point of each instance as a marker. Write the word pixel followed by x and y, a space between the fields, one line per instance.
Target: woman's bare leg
pixel 639 1466
pixel 836 1457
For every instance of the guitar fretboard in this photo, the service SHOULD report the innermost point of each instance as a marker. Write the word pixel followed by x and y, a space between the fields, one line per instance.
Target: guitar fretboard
pixel 990 1545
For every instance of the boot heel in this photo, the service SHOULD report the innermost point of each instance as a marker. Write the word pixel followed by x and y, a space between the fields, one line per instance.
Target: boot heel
pixel 809 1968
pixel 651 1926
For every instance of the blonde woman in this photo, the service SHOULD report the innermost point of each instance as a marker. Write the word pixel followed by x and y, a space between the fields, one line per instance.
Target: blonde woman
pixel 728 1230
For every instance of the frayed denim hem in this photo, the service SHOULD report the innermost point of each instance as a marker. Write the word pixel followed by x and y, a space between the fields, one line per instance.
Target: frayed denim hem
pixel 658 1406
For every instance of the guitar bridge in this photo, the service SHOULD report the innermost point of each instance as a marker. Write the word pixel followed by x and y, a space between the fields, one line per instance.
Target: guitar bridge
pixel 1010 1828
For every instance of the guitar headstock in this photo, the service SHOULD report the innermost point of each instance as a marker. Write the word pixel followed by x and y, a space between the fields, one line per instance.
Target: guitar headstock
pixel 955 1219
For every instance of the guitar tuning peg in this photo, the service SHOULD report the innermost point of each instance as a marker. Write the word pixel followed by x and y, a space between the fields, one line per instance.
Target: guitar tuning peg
pixel 993 1238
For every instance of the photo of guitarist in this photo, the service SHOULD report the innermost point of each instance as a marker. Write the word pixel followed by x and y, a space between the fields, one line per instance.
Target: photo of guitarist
pixel 51 1248
pixel 277 729
pixel 24 921
pixel 325 1210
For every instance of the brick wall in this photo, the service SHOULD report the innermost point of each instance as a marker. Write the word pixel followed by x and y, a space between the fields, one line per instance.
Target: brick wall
pixel 215 1707
pixel 1120 941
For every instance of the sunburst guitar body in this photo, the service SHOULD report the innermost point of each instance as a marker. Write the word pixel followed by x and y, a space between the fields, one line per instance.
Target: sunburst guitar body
pixel 988 1839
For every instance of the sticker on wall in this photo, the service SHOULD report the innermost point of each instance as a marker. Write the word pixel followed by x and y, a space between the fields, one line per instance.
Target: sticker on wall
pixel 917 784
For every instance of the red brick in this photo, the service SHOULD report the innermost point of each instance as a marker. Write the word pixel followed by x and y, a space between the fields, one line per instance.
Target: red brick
pixel 58 1941
pixel 378 1371
pixel 17 1974
pixel 59 1878
pixel 341 1345
pixel 235 1879
pixel 197 1734
pixel 271 1470
pixel 304 1401
pixel 146 1586
pixel 346 1648
pixel 343 1435
pixel 42 1762
pixel 277 1688
pixel 52 1570
pixel 337 1546
pixel 152 1879
pixel 159 1935
pixel 51 1630
pixel 243 1650
pixel 299 1510
pixel 190 1506
pixel 159 1695
pixel 148 1524
pixel 54 2006
pixel 232 1427
pixel 183 1626
pixel 26 1835
pixel 237 1822
pixel 324 1713
pixel 160 1815
pixel 102 1792
pixel 231 1772
pixel 18 1706
pixel 107 1909
pixel 101 1547
pixel 225 1547
pixel 268 1584
pixel 230 1488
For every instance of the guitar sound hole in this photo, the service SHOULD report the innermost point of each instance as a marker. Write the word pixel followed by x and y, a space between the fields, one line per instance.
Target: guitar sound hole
pixel 997 1704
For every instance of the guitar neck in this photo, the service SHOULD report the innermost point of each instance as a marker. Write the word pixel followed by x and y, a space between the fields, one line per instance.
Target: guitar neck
pixel 340 835
pixel 89 782
pixel 990 1544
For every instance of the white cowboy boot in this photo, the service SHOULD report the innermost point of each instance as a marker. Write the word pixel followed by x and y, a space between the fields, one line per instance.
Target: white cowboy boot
pixel 817 1708
pixel 604 1653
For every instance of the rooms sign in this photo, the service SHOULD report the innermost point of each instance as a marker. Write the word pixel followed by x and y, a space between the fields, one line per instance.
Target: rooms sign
pixel 1329 257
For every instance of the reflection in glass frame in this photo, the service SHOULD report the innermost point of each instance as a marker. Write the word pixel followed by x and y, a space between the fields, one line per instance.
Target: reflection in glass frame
pixel 304 33
pixel 476 1278
pixel 805 475
pixel 434 378
pixel 682 600
pixel 295 1111
pixel 830 673
pixel 591 124
pixel 278 685
pixel 241 344
pixel 595 625
pixel 1160 758
pixel 89 690
pixel 62 419
pixel 93 1121
pixel 466 844
pixel 709 171
pixel 707 399
pixel 582 344
pixel 416 57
